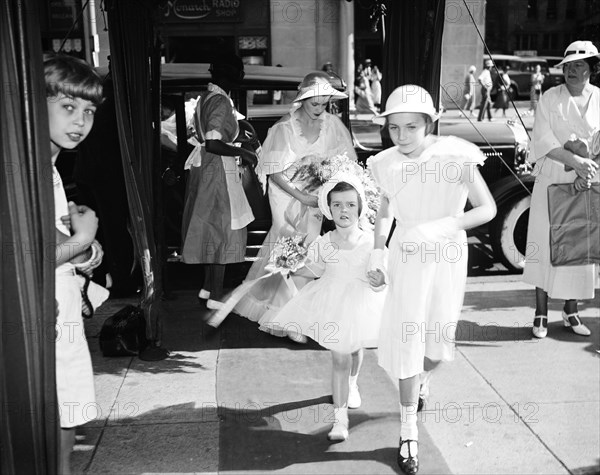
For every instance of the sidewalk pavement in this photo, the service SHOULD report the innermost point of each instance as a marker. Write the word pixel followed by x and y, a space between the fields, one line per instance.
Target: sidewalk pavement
pixel 236 400
pixel 453 115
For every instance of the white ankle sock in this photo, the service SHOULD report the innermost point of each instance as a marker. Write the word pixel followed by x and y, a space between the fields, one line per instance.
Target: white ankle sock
pixel 408 422
pixel 414 449
pixel 353 380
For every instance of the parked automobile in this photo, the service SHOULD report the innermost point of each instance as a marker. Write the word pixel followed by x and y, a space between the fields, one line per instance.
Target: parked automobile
pixel 521 69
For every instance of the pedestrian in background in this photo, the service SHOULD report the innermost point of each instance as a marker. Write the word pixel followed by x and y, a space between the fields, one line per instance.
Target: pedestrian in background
pixel 502 98
pixel 426 287
pixel 469 91
pixel 376 77
pixel 570 108
pixel 485 79
pixel 535 91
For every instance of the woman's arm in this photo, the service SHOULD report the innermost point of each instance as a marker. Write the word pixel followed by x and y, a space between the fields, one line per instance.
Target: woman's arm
pixel 218 147
pixel 383 223
pixel 484 206
pixel 584 167
pixel 302 196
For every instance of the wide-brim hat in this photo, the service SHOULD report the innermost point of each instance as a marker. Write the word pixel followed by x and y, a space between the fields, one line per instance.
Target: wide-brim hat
pixel 315 85
pixel 408 98
pixel 579 50
pixel 329 185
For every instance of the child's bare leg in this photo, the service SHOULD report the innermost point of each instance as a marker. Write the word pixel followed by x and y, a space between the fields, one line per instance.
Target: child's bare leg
pixel 428 367
pixel 357 361
pixel 409 397
pixel 67 441
pixel 354 399
pixel 341 372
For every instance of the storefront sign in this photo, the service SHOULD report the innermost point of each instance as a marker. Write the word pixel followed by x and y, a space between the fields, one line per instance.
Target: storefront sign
pixel 201 10
pixel 62 14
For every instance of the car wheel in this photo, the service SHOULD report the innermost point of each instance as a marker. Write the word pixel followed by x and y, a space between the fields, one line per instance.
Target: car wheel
pixel 509 233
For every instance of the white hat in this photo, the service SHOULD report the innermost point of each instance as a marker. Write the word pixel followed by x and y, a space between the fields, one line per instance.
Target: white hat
pixel 317 84
pixel 579 50
pixel 408 98
pixel 329 185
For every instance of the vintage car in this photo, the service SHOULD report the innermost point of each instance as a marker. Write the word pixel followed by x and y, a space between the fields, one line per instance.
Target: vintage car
pixel 521 69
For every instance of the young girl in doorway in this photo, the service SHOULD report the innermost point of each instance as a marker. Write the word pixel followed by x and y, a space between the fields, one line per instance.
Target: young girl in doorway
pixel 73 92
pixel 340 310
pixel 425 181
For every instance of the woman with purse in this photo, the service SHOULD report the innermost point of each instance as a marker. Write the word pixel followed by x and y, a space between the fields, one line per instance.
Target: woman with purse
pixel 572 108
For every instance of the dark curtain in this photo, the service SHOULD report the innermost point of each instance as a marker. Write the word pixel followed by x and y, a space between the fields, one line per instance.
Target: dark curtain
pixel 131 36
pixel 28 412
pixel 412 51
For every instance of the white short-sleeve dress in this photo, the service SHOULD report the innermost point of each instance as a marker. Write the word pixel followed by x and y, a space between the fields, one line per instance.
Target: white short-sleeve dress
pixel 74 373
pixel 339 310
pixel 427 281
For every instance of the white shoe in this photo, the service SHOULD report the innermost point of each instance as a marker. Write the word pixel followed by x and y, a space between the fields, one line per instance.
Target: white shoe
pixel 540 326
pixel 297 337
pixel 204 294
pixel 574 322
pixel 354 399
pixel 339 431
pixel 214 304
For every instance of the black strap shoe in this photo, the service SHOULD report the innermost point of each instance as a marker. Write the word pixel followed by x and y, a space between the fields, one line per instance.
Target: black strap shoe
pixel 409 465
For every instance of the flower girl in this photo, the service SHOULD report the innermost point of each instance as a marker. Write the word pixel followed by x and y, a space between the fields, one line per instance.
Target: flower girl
pixel 341 310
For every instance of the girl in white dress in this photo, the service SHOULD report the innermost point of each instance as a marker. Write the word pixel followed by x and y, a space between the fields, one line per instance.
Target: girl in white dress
pixel 74 92
pixel 307 130
pixel 340 310
pixel 425 181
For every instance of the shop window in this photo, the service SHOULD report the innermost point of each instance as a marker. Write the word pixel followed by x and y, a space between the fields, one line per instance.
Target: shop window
pixel 532 13
pixel 551 10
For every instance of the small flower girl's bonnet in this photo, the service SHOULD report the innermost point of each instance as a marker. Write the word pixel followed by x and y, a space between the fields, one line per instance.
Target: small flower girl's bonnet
pixel 328 186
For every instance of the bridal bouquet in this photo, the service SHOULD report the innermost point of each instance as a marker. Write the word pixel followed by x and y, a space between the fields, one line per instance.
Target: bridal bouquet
pixel 313 171
pixel 288 255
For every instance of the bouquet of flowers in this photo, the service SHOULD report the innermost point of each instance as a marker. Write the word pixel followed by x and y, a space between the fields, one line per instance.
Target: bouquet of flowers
pixel 313 171
pixel 288 255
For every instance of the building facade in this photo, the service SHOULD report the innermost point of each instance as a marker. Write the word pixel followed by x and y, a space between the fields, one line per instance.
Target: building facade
pixel 540 27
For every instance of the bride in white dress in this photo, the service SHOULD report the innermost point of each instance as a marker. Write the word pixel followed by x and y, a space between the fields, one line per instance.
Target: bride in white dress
pixel 308 129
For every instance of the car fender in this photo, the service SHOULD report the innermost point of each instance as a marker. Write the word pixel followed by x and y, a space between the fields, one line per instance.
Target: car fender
pixel 507 188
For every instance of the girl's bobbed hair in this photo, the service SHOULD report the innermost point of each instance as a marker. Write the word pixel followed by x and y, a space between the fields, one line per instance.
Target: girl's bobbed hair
pixel 345 186
pixel 72 77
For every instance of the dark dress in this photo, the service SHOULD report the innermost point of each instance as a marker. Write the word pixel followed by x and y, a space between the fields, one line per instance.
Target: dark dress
pixel 214 191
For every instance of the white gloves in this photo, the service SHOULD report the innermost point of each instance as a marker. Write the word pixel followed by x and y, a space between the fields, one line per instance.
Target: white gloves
pixel 377 261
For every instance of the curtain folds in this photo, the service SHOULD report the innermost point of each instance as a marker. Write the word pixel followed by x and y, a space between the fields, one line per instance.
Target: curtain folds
pixel 131 53
pixel 28 412
pixel 412 52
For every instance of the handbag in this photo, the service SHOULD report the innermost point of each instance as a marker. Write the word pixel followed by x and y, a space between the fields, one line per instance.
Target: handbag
pixel 574 225
pixel 124 333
